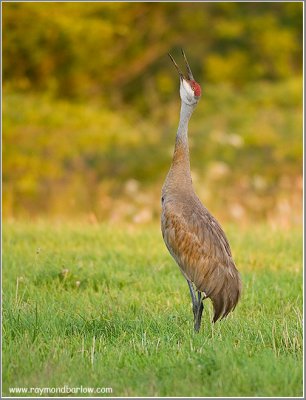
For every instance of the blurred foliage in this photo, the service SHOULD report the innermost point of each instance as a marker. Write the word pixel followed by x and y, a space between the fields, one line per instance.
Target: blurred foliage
pixel 90 106
pixel 114 49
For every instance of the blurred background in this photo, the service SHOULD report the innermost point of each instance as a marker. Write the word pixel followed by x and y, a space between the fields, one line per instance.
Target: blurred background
pixel 91 107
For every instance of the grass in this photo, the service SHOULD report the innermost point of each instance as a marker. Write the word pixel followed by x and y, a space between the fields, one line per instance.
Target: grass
pixel 102 306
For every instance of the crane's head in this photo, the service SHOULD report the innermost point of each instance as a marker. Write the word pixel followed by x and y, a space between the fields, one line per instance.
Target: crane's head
pixel 190 90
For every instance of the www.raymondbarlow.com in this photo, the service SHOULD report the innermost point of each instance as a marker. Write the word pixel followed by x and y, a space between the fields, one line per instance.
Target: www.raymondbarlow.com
pixel 61 390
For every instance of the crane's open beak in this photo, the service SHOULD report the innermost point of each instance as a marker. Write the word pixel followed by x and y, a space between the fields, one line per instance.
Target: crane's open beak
pixel 189 73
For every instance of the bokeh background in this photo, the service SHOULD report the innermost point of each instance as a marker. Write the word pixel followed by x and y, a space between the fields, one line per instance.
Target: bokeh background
pixel 91 106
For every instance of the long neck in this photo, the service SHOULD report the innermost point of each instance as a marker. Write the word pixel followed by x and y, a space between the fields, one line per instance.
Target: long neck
pixel 179 174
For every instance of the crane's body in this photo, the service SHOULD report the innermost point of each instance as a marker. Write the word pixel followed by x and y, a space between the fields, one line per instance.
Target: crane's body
pixel 192 235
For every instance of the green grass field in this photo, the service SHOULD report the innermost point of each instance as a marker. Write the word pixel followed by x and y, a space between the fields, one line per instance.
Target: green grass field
pixel 101 306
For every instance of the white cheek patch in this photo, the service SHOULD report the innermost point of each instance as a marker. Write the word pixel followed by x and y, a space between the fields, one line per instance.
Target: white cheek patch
pixel 188 88
pixel 186 92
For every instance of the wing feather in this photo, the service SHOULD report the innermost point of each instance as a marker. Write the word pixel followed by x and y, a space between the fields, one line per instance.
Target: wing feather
pixel 197 242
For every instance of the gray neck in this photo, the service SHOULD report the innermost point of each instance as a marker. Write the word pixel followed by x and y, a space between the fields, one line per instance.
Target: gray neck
pixel 182 131
pixel 179 176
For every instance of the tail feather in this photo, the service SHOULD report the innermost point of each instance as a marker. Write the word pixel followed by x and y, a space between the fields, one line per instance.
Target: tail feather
pixel 218 303
pixel 225 300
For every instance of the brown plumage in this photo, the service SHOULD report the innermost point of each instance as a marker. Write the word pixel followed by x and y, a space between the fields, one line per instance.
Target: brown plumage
pixel 192 235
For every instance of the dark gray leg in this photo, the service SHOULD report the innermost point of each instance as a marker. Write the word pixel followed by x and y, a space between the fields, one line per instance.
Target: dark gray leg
pixel 198 315
pixel 197 307
pixel 193 295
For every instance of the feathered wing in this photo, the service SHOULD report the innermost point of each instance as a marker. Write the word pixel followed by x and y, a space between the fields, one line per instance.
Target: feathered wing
pixel 198 244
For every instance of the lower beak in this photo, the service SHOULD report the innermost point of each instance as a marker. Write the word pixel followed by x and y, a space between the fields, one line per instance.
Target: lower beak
pixel 177 67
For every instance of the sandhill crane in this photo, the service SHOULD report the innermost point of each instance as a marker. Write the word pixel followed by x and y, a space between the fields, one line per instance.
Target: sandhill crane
pixel 192 235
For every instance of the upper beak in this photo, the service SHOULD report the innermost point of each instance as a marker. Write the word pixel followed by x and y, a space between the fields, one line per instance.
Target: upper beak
pixel 189 73
pixel 190 76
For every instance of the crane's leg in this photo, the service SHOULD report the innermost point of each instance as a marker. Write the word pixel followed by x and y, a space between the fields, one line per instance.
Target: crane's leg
pixel 193 295
pixel 199 312
pixel 197 307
